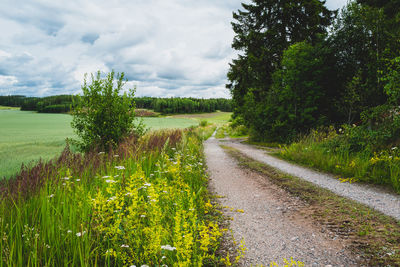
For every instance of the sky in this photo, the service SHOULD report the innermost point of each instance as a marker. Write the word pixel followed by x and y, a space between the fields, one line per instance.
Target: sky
pixel 166 48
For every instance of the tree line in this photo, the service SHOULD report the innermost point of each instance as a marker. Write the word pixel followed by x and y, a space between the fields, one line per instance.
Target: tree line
pixel 302 66
pixel 184 105
pixel 49 104
pixel 173 105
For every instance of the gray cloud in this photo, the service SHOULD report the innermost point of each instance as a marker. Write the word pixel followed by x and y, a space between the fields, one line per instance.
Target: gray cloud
pixel 166 48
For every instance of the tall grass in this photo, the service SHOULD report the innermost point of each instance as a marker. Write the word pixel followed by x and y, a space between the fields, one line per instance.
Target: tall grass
pixel 320 150
pixel 143 203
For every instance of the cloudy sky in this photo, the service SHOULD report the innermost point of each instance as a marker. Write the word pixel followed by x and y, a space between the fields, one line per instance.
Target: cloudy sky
pixel 165 47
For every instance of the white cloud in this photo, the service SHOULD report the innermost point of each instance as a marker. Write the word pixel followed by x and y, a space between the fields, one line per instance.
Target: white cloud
pixel 166 48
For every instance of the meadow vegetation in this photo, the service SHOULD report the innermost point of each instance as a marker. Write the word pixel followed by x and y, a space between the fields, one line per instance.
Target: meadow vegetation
pixel 367 153
pixel 25 136
pixel 145 202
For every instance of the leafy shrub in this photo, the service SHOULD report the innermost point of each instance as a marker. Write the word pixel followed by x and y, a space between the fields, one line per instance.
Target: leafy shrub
pixel 102 117
pixel 203 123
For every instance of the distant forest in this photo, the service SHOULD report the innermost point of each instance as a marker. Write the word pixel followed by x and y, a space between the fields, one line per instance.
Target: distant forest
pixel 174 105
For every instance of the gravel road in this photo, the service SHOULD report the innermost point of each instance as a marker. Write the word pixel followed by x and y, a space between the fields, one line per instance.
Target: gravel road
pixel 271 225
pixel 369 195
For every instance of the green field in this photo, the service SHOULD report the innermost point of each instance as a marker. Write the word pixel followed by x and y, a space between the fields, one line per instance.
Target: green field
pixel 27 136
pixel 218 118
pixel 8 108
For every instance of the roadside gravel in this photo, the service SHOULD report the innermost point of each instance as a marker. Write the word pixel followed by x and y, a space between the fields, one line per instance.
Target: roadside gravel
pixel 271 225
pixel 369 195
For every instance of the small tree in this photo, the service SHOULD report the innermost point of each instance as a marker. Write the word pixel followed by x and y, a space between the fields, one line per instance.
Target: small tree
pixel 102 116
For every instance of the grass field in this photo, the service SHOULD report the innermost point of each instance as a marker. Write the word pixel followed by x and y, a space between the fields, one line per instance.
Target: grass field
pixel 8 108
pixel 27 136
pixel 219 118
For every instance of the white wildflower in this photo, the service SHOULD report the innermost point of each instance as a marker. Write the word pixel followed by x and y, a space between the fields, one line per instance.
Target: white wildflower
pixel 168 247
pixel 69 231
pixel 107 176
pixel 147 184
pixel 77 180
pixel 116 156
pixel 52 195
pixel 120 167
pixel 100 153
pixel 111 199
pixel 143 216
pixel 110 181
pixel 124 246
pixel 65 178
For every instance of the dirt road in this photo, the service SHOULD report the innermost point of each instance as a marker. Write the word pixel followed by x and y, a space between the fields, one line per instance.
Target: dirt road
pixel 271 226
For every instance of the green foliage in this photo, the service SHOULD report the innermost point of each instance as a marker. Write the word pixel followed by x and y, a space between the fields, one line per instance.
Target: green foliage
pixel 102 116
pixel 392 80
pixel 264 30
pixel 203 123
pixel 298 94
pixel 288 79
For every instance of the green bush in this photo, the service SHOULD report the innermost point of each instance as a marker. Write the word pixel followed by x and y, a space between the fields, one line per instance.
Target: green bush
pixel 203 123
pixel 102 117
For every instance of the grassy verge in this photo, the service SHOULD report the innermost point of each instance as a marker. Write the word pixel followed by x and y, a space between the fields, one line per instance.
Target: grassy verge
pixel 144 203
pixel 374 236
pixel 226 130
pixel 381 168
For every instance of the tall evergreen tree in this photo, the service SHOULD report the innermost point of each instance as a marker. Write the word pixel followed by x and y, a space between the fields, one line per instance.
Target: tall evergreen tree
pixel 264 29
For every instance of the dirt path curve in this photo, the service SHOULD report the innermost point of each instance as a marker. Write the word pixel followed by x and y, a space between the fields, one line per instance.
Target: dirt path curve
pixel 369 195
pixel 270 225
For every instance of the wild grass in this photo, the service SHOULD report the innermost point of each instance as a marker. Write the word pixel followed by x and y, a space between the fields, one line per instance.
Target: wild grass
pixel 233 132
pixel 372 235
pixel 144 203
pixel 319 150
